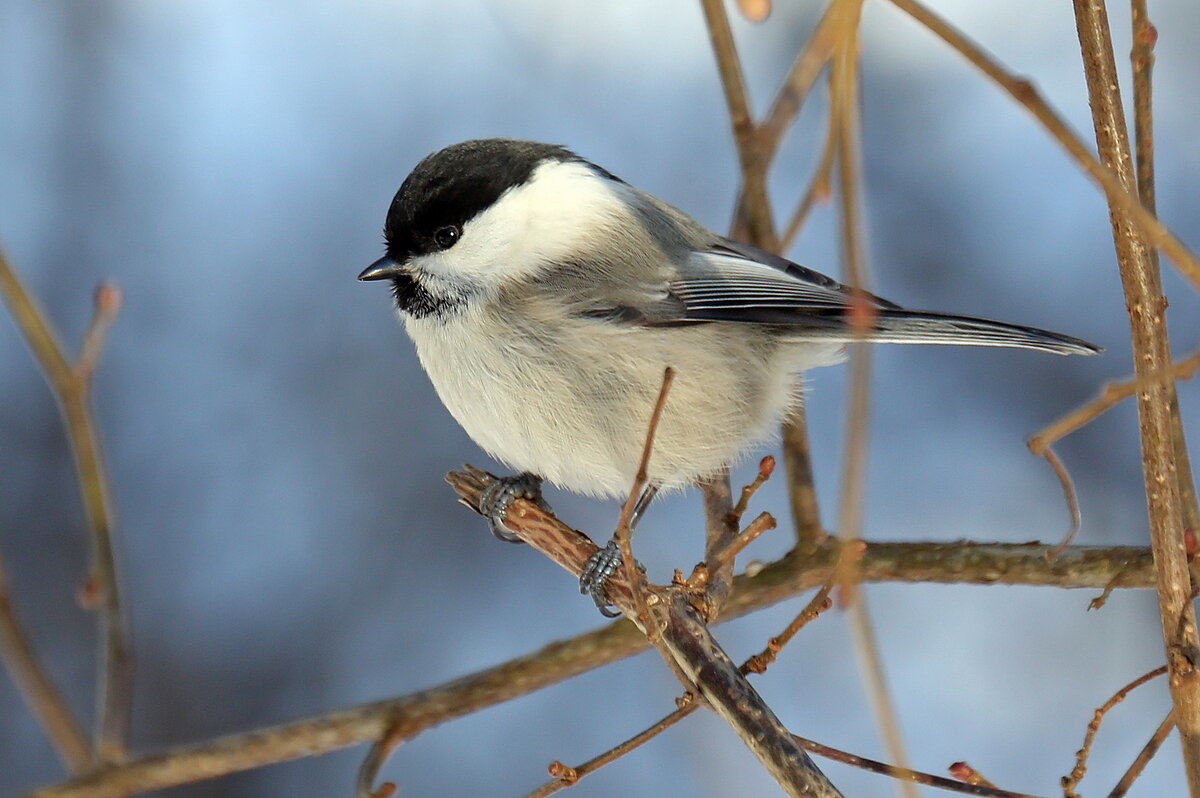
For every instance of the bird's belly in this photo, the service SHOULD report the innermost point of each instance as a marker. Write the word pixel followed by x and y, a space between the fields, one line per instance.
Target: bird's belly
pixel 527 398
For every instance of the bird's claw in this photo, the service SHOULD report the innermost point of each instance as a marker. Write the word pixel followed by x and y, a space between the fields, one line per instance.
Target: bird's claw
pixel 593 580
pixel 503 491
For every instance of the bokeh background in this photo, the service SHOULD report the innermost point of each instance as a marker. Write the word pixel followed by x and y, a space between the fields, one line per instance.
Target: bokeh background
pixel 288 546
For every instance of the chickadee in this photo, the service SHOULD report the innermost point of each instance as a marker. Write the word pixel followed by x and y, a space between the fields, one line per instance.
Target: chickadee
pixel 546 296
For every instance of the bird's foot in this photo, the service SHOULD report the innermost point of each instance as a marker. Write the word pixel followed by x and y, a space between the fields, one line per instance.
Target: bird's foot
pixel 503 491
pixel 593 580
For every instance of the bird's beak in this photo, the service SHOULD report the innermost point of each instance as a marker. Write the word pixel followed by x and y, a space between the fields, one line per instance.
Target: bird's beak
pixel 382 269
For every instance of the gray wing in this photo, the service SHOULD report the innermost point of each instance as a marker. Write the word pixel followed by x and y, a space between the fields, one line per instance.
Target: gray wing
pixel 736 283
pixel 730 281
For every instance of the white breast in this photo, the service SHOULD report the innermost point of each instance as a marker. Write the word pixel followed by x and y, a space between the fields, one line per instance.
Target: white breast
pixel 523 393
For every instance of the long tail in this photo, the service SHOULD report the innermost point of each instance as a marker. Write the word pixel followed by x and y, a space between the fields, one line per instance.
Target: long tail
pixel 917 327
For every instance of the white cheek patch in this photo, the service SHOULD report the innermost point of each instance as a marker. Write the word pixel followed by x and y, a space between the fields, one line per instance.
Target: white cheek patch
pixel 536 224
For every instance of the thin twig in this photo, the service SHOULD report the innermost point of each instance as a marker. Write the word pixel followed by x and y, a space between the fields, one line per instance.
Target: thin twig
pixel 724 555
pixel 70 384
pixel 1144 756
pixel 1027 95
pixel 1141 56
pixel 844 93
pixel 818 604
pixel 1110 395
pixel 1070 496
pixel 720 529
pixel 745 134
pixel 622 534
pixel 1072 779
pixel 1151 355
pixel 35 686
pixel 395 734
pixel 565 776
pixel 797 85
pixel 965 772
pixel 905 775
pixel 766 467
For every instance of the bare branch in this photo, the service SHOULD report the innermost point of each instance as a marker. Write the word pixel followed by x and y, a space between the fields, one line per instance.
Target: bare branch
pixel 1110 395
pixel 745 134
pixel 632 575
pixel 682 637
pixel 395 734
pixel 70 385
pixel 905 775
pixel 1151 355
pixel 39 692
pixel 1027 95
pixel 1144 756
pixel 1072 779
pixel 1070 496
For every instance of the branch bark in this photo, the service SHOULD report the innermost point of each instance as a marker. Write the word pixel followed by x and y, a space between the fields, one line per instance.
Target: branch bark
pixel 1151 354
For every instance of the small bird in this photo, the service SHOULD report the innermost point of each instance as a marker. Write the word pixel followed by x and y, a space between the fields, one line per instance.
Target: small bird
pixel 546 297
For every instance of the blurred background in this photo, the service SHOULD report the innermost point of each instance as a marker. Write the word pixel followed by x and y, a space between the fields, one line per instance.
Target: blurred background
pixel 288 545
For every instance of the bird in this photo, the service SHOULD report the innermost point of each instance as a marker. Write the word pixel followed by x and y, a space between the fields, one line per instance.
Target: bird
pixel 546 296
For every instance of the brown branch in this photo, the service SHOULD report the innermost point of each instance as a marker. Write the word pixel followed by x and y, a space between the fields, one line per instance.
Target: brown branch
pixel 720 531
pixel 905 775
pixel 34 685
pixel 1027 95
pixel 681 636
pixel 802 491
pixel 745 133
pixel 946 563
pixel 844 110
pixel 395 734
pixel 70 385
pixel 1144 756
pixel 632 575
pixel 1110 395
pixel 1070 496
pixel 1141 56
pixel 1151 355
pixel 1072 779
pixel 565 776
pixel 724 556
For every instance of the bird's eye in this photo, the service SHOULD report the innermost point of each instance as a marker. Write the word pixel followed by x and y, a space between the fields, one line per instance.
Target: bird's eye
pixel 445 237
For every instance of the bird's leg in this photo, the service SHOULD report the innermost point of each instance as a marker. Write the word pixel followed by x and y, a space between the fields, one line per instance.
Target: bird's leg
pixel 604 563
pixel 502 492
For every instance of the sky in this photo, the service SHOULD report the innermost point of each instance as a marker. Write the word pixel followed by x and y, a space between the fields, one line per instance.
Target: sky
pixel 286 541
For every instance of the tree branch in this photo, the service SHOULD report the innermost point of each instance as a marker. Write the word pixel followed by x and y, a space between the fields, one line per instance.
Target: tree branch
pixel 1151 355
pixel 39 692
pixel 71 387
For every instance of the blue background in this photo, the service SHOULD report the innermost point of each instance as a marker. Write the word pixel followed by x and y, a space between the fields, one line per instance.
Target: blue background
pixel 288 546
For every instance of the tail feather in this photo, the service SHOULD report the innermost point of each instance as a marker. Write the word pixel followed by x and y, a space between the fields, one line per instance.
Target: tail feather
pixel 917 327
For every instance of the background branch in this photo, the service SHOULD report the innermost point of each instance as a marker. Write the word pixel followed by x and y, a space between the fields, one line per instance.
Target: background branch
pixel 71 386
pixel 1151 355
pixel 39 692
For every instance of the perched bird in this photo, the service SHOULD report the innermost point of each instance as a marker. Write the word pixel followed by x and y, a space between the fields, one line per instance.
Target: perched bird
pixel 546 296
